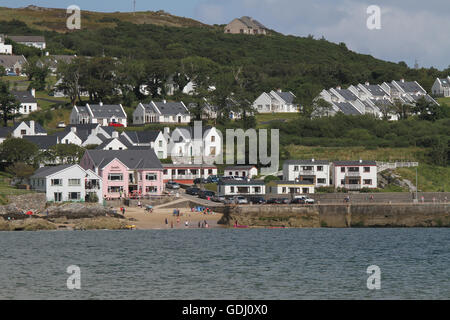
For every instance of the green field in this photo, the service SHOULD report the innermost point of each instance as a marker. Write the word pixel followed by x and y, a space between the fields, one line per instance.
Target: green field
pixel 262 119
pixel 6 190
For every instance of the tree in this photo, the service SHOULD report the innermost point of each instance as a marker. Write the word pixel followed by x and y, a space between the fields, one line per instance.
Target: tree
pixel 320 108
pixel 427 110
pixel 14 150
pixel 70 74
pixel 21 170
pixel 440 152
pixel 403 110
pixel 37 73
pixel 156 74
pixel 68 153
pixel 8 103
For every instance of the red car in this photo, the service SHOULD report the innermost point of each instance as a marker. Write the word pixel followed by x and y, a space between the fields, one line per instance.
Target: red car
pixel 115 124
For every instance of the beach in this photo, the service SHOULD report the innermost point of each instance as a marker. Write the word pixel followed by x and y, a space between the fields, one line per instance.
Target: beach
pixel 156 220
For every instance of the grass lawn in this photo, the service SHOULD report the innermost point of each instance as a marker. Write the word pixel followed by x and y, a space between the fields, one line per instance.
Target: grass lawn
pixel 263 118
pixel 430 178
pixel 444 100
pixel 17 83
pixel 6 189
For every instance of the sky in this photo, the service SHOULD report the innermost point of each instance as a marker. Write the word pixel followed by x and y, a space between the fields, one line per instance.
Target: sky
pixel 410 30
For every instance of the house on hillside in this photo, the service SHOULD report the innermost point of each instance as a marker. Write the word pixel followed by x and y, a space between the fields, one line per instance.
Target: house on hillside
pixel 4 48
pixel 245 25
pixel 13 64
pixel 147 139
pixel 105 115
pixel 276 101
pixel 441 87
pixel 315 172
pixel 161 112
pixel 28 128
pixel 30 41
pixel 67 183
pixel 187 173
pixel 44 143
pixel 354 175
pixel 126 173
pixel 27 100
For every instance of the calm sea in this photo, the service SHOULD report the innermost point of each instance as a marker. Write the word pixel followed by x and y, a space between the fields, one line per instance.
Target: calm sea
pixel 226 264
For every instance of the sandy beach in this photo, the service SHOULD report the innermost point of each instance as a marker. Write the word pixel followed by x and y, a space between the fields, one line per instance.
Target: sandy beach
pixel 156 219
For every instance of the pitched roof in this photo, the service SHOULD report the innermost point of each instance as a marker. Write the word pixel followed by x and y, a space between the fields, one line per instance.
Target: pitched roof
pixel 375 89
pixel 347 94
pixel 27 38
pixel 171 108
pixel 347 108
pixel 242 182
pixel 133 159
pixel 46 171
pixel 5 131
pixel 24 96
pixel 355 163
pixel 107 110
pixel 43 142
pixel 239 168
pixel 288 97
pixel 8 61
pixel 138 137
pixel 251 23
pixel 308 161
pixel 37 127
pixel 300 182
pixel 409 86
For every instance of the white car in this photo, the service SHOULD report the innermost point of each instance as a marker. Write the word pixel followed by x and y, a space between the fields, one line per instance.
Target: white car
pixel 305 199
pixel 240 200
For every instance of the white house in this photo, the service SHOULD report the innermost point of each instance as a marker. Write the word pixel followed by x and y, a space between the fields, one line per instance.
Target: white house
pixel 67 183
pixel 240 171
pixel 69 137
pixel 275 101
pixel 187 173
pixel 28 128
pixel 27 100
pixel 4 48
pixel 104 115
pixel 148 139
pixel 354 175
pixel 441 87
pixel 241 188
pixel 30 41
pixel 316 172
pixel 114 143
pixel 186 142
pixel 161 112
pixel 289 187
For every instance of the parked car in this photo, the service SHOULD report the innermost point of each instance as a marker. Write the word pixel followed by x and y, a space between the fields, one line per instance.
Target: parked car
pixel 284 201
pixel 240 200
pixel 217 198
pixel 238 178
pixel 273 201
pixel 61 124
pixel 212 179
pixel 193 191
pixel 257 200
pixel 303 200
pixel 115 124
pixel 172 185
pixel 200 180
pixel 206 194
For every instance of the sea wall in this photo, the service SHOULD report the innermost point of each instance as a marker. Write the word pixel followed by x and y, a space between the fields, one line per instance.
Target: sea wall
pixel 340 215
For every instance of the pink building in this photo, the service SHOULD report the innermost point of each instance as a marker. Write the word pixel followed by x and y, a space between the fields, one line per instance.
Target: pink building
pixel 126 172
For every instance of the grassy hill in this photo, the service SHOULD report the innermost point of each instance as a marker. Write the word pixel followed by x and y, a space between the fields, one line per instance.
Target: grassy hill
pixel 51 19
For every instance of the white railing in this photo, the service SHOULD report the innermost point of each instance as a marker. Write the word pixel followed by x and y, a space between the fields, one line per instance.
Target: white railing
pixel 307 172
pixel 382 166
pixel 353 173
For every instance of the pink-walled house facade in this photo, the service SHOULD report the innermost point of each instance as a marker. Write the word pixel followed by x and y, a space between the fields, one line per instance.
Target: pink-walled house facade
pixel 126 173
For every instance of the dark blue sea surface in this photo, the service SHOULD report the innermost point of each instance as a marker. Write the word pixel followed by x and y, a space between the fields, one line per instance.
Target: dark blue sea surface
pixel 226 264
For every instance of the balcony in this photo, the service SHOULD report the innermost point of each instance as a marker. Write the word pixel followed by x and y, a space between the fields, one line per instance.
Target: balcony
pixel 353 186
pixel 353 174
pixel 91 186
pixel 307 172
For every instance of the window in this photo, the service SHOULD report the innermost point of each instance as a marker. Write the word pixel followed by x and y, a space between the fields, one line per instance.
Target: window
pixel 74 196
pixel 212 151
pixel 115 189
pixel 230 173
pixel 74 182
pixel 151 176
pixel 151 189
pixel 353 169
pixel 321 180
pixel 160 154
pixel 213 138
pixel 295 168
pixel 57 182
pixel 283 190
pixel 257 189
pixel 210 171
pixel 342 181
pixel 232 189
pixel 342 169
pixel 160 143
pixel 366 169
pixel 367 181
pixel 22 132
pixel 319 168
pixel 115 177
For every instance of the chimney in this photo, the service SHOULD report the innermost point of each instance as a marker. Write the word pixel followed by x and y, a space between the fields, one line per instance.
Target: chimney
pixel 100 103
pixel 164 101
pixel 115 134
pixel 338 87
pixel 278 90
pixel 312 160
pixel 367 83
pixel 402 80
pixel 32 127
pixel 73 129
pixel 33 92
pixel 166 130
pixel 360 160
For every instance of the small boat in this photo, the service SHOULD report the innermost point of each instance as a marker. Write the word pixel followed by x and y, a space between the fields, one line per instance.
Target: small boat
pixel 130 227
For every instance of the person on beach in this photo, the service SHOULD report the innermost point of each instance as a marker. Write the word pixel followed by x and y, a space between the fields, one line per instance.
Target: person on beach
pixel 186 224
pixel 171 224
pixel 167 222
pixel 123 210
pixel 199 224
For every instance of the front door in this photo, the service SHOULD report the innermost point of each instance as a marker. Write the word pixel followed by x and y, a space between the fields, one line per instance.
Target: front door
pixel 57 196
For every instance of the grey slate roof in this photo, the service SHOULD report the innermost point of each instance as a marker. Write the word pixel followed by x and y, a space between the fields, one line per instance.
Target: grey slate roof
pixel 375 89
pixel 307 162
pixel 5 131
pixel 445 82
pixel 239 168
pixel 347 108
pixel 27 38
pixel 242 182
pixel 83 110
pixel 133 159
pixel 24 96
pixel 286 96
pixel 139 137
pixel 8 61
pixel 43 142
pixel 37 127
pixel 300 182
pixel 107 111
pixel 149 107
pixel 46 171
pixel 409 86
pixel 171 108
pixel 251 23
pixel 347 94
pixel 355 163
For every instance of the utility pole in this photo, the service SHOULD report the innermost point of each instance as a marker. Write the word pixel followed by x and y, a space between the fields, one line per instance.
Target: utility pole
pixel 134 7
pixel 417 199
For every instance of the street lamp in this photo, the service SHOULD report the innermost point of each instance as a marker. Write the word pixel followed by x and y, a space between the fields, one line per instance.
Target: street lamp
pixel 417 199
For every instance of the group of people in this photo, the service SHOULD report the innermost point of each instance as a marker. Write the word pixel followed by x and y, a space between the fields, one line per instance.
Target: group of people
pixel 201 224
